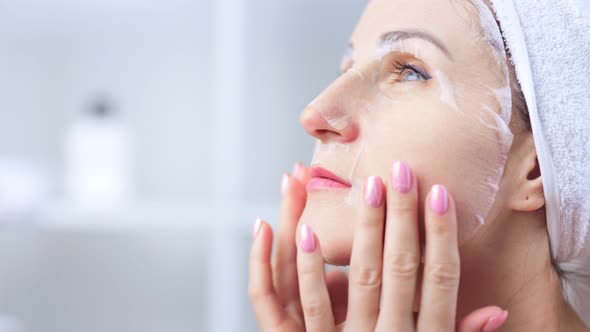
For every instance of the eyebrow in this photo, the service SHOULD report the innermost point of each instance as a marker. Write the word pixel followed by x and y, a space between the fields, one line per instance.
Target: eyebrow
pixel 396 36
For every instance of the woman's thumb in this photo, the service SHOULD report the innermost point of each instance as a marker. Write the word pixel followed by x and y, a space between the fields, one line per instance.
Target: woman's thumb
pixel 488 319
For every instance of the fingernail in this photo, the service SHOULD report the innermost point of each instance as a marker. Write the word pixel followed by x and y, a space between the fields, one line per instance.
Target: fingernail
pixel 495 322
pixel 256 227
pixel 439 199
pixel 401 177
pixel 374 191
pixel 307 239
pixel 296 169
pixel 284 183
pixel 299 172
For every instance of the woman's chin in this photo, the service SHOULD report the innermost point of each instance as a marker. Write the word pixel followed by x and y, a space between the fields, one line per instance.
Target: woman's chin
pixel 332 220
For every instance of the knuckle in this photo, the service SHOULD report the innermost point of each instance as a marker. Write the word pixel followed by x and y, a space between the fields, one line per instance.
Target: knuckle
pixel 365 276
pixel 255 295
pixel 443 275
pixel 439 228
pixel 402 264
pixel 369 221
pixel 314 309
pixel 403 207
pixel 307 268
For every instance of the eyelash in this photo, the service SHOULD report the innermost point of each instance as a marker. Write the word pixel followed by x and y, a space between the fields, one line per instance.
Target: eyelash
pixel 402 65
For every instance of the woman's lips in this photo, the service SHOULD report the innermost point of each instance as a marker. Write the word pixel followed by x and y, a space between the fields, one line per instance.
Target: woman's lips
pixel 322 180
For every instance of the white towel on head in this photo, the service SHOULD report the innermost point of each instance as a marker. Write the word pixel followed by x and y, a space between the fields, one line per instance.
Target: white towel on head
pixel 550 45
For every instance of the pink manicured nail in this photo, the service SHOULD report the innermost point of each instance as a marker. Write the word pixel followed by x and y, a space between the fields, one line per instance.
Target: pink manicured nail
pixel 256 227
pixel 299 172
pixel 307 240
pixel 296 169
pixel 439 199
pixel 401 177
pixel 495 322
pixel 374 191
pixel 284 183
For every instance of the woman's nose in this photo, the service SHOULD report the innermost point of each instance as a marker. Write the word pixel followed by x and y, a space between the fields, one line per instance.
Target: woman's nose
pixel 331 118
pixel 335 128
pixel 326 128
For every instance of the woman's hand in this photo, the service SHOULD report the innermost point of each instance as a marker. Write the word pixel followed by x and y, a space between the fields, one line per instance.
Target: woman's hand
pixel 294 294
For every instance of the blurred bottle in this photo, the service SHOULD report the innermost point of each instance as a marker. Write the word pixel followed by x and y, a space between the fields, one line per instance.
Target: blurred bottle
pixel 98 158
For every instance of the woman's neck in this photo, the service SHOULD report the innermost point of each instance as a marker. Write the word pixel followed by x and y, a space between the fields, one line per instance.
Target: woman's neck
pixel 508 264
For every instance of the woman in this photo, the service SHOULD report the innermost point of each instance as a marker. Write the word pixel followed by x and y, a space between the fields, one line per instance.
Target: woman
pixel 428 169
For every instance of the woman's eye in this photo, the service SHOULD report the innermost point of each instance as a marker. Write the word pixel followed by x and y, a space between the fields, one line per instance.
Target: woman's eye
pixel 412 76
pixel 410 73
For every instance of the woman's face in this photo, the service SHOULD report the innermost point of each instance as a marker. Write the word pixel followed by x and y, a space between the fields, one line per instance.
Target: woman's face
pixel 425 82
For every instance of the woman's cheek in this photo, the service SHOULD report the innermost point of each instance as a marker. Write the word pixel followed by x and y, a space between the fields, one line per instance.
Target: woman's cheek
pixel 442 145
pixel 470 158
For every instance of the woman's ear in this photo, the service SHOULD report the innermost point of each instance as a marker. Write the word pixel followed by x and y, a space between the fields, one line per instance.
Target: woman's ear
pixel 527 195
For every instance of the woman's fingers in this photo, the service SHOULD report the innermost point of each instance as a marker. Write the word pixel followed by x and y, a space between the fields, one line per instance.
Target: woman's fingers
pixel 293 201
pixel 267 307
pixel 337 283
pixel 301 173
pixel 441 263
pixel 274 287
pixel 488 319
pixel 366 261
pixel 401 251
pixel 315 300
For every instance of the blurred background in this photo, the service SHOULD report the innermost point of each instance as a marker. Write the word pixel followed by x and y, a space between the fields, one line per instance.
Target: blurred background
pixel 139 140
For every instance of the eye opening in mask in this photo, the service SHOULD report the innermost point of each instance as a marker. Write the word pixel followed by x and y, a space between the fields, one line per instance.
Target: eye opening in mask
pixel 404 69
pixel 401 67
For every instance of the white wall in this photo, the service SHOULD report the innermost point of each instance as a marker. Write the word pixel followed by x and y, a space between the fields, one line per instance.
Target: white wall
pixel 211 91
pixel 153 59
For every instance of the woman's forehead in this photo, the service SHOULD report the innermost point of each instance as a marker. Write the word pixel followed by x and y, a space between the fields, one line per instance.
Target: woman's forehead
pixel 449 23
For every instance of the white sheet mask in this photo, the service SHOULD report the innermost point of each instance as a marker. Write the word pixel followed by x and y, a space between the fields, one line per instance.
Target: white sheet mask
pixel 490 31
pixel 393 43
pixel 447 94
pixel 472 103
pixel 330 148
